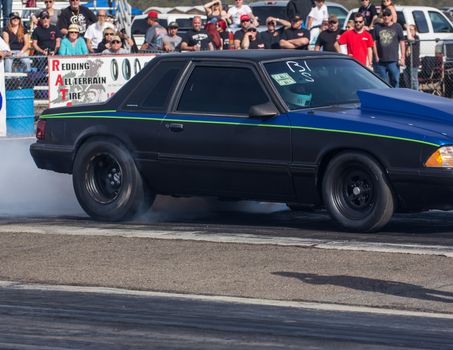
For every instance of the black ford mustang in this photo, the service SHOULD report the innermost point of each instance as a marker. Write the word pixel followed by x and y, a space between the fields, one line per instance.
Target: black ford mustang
pixel 297 127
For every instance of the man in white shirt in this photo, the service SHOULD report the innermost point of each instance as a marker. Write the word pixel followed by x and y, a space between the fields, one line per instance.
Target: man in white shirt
pixel 95 32
pixel 235 13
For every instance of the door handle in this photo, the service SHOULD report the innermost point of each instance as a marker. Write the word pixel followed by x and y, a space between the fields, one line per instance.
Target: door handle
pixel 175 127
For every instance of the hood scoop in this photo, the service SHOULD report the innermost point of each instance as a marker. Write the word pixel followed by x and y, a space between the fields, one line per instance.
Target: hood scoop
pixel 406 102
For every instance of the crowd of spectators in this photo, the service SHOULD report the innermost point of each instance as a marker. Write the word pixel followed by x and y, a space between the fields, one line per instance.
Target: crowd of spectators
pixel 375 41
pixel 75 30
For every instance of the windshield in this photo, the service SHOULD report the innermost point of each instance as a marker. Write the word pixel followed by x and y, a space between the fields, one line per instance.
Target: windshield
pixel 305 83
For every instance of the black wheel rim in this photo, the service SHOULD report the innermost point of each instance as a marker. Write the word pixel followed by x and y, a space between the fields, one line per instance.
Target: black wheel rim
pixel 104 178
pixel 354 192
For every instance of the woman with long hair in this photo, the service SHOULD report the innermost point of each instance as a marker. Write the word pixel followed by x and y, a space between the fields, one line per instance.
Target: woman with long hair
pixel 211 28
pixel 18 39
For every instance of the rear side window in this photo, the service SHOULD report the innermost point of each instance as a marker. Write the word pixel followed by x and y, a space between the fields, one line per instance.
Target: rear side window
pixel 155 90
pixel 221 90
pixel 420 21
pixel 440 23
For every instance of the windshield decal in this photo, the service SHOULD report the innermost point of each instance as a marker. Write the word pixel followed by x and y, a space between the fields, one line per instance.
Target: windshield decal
pixel 283 79
pixel 304 71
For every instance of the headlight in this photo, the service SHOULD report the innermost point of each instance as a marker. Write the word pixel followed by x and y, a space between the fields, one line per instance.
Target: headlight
pixel 441 158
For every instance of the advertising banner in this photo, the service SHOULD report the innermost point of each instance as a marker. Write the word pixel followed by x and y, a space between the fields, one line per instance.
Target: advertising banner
pixel 2 99
pixel 75 80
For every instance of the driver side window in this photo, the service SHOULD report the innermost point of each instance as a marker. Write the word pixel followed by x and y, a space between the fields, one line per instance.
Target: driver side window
pixel 221 90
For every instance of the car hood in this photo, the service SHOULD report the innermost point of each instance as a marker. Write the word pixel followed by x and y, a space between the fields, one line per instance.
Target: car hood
pixel 406 102
pixel 409 108
pixel 396 113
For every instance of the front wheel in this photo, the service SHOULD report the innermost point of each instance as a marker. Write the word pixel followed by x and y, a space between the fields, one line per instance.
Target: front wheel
pixel 356 193
pixel 107 182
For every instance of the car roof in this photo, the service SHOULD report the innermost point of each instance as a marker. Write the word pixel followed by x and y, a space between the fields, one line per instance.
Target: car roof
pixel 254 55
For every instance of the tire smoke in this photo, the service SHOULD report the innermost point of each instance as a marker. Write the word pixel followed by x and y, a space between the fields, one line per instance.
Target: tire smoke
pixel 26 190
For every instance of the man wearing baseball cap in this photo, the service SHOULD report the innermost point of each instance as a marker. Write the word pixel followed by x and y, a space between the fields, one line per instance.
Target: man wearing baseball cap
pixel 172 40
pixel 239 34
pixel 295 37
pixel 239 9
pixel 389 49
pixel 46 37
pixel 154 34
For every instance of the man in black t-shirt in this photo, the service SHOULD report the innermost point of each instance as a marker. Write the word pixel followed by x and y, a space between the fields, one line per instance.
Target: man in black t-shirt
pixel 295 37
pixel 271 37
pixel 46 37
pixel 389 48
pixel 239 34
pixel 75 14
pixel 252 39
pixel 369 13
pixel 196 39
pixel 327 38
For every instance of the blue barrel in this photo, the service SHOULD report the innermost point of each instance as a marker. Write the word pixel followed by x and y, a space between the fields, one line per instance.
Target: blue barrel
pixel 20 114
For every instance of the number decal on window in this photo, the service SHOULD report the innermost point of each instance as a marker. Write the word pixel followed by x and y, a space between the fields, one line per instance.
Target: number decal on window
pixel 303 69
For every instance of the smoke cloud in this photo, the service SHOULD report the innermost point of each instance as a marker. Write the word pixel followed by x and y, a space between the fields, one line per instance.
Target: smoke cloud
pixel 26 190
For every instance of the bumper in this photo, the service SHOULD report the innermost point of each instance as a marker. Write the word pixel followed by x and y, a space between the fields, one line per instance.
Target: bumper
pixel 58 158
pixel 424 190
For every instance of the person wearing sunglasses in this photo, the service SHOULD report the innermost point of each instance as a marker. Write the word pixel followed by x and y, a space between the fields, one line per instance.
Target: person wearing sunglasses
pixel 359 42
pixel 46 37
pixel 271 36
pixel 252 40
pixel 327 38
pixel 72 44
pixel 239 34
pixel 237 11
pixel 388 4
pixel 95 32
pixel 53 13
pixel 115 47
pixel 106 41
pixel 389 49
pixel 18 39
pixel 75 14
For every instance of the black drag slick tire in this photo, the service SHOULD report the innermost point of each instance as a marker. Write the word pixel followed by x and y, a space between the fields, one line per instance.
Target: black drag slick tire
pixel 356 193
pixel 107 183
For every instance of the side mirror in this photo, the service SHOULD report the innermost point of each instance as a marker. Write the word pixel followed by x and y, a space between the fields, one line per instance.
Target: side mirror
pixel 263 111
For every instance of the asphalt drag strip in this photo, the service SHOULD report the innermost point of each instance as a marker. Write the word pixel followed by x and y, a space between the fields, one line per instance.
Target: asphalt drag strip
pixel 51 317
pixel 145 231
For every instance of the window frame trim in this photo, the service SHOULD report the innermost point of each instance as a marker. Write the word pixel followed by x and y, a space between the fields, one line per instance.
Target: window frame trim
pixel 139 107
pixel 217 63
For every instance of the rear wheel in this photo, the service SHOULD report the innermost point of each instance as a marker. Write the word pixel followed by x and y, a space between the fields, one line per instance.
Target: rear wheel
pixel 107 182
pixel 356 193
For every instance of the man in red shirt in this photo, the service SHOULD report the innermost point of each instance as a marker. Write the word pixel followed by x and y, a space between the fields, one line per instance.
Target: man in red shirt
pixel 358 42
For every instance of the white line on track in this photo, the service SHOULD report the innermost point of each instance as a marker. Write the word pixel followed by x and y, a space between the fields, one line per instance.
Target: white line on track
pixel 142 231
pixel 224 299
